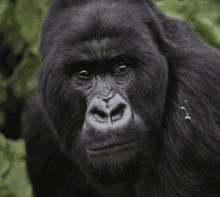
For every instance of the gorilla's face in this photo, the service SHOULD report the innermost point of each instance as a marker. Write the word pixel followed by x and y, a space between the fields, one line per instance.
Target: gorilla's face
pixel 103 87
pixel 110 119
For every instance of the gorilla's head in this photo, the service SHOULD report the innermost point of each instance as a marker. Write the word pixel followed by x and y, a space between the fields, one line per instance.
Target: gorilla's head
pixel 102 85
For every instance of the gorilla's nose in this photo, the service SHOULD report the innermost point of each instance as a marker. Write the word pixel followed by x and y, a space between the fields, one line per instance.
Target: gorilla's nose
pixel 112 113
pixel 103 114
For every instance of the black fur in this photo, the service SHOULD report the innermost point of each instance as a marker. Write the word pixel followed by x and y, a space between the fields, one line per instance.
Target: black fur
pixel 171 68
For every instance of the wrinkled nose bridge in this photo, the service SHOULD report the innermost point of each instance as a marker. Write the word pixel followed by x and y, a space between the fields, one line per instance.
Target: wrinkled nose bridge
pixel 104 87
pixel 105 91
pixel 105 94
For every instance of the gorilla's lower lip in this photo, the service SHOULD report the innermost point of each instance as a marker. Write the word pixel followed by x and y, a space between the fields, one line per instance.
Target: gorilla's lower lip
pixel 111 147
pixel 113 154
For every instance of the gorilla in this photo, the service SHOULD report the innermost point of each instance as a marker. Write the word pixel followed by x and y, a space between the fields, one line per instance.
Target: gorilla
pixel 128 104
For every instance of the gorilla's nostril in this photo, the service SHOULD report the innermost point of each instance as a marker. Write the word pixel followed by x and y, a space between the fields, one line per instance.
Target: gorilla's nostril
pixel 99 115
pixel 117 113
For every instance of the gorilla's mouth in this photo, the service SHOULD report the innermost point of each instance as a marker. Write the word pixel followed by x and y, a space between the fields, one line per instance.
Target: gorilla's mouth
pixel 105 146
pixel 113 151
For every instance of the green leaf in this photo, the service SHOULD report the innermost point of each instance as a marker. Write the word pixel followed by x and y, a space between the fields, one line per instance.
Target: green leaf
pixel 6 191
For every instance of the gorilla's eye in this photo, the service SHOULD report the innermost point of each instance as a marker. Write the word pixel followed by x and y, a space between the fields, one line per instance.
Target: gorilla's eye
pixel 83 73
pixel 121 69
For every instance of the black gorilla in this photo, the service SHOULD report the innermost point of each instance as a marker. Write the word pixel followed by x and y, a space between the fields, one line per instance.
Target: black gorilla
pixel 128 104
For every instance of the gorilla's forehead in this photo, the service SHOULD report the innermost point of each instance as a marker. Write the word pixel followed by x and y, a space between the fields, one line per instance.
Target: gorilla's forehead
pixel 105 51
pixel 102 49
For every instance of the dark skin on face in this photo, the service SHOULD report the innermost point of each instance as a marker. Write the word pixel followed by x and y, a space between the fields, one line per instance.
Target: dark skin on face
pixel 118 82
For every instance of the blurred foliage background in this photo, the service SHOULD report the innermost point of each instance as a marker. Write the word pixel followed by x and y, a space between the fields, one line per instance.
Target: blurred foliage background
pixel 20 22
